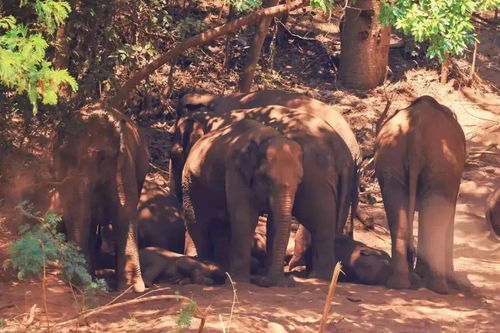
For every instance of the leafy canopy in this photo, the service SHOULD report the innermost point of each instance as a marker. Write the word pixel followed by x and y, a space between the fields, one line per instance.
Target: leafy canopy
pixel 445 24
pixel 23 64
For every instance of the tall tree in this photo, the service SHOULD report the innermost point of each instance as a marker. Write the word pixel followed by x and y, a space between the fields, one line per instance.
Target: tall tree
pixel 364 45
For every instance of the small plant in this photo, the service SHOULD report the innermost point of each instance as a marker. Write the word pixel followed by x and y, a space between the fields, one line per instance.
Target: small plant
pixel 40 245
pixel 186 314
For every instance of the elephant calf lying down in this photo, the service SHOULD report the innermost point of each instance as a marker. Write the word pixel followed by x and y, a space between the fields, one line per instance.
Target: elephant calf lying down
pixel 158 264
pixel 360 263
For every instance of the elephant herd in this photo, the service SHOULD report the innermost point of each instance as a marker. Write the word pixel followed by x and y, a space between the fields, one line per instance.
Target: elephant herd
pixel 239 157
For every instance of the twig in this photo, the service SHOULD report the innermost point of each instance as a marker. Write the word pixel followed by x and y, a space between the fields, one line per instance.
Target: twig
pixel 473 67
pixel 117 297
pixel 329 296
pixel 295 35
pixel 484 152
pixel 119 305
pixel 222 322
pixel 235 300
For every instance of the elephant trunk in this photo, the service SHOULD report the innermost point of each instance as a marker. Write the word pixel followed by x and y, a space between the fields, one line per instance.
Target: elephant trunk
pixel 281 208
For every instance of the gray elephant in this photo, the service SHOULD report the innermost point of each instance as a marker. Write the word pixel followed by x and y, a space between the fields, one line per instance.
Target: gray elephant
pixel 187 130
pixel 99 163
pixel 360 263
pixel 419 159
pixel 160 220
pixel 492 213
pixel 323 199
pixel 231 176
pixel 158 264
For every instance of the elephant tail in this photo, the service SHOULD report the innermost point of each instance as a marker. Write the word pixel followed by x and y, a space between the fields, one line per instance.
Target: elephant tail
pixel 412 199
pixel 187 203
pixel 344 200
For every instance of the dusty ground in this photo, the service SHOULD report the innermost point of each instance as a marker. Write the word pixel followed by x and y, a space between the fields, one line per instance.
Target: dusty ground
pixel 356 308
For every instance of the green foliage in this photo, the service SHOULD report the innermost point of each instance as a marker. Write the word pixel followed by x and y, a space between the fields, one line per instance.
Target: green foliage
pixel 186 314
pixel 246 5
pixel 23 64
pixel 40 245
pixel 446 24
pixel 324 5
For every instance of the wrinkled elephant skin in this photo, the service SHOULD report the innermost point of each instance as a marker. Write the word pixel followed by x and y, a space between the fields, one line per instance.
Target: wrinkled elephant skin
pixel 231 176
pixel 323 199
pixel 420 156
pixel 100 162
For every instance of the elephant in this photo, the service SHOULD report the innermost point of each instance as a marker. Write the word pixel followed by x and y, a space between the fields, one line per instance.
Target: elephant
pixel 160 264
pixel 419 160
pixel 231 176
pixel 492 213
pixel 187 130
pixel 99 162
pixel 160 220
pixel 323 198
pixel 360 263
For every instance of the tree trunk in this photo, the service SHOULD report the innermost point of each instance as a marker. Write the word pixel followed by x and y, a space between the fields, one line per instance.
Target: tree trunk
pixel 248 74
pixel 364 46
pixel 445 69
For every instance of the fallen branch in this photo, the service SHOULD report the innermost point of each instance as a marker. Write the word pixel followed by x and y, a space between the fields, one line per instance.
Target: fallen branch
pixel 120 305
pixel 198 40
pixel 329 296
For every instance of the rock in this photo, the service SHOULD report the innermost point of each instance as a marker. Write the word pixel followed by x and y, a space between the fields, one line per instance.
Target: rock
pixel 275 328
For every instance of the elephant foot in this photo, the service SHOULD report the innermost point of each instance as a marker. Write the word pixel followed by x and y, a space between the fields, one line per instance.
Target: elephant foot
pixel 416 281
pixel 266 281
pixel 398 281
pixel 139 286
pixel 438 285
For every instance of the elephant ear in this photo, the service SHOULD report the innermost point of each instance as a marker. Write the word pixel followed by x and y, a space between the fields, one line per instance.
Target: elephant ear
pixel 246 160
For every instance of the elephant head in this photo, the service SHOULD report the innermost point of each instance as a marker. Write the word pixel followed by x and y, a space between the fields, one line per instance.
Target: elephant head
pixel 272 169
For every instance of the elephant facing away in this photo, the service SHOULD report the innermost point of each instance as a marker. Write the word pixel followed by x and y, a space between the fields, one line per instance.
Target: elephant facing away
pixel 189 131
pixel 327 189
pixel 232 176
pixel 99 163
pixel 419 159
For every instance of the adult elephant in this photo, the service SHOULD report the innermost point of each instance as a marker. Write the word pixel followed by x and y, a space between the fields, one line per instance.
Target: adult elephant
pixel 322 200
pixel 420 156
pixel 231 176
pixel 100 162
pixel 188 131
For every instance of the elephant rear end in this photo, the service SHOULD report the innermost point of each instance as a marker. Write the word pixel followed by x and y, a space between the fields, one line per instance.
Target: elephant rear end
pixel 419 161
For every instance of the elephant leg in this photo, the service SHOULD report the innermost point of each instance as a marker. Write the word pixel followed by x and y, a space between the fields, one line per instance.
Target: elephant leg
pixel 320 221
pixel 199 233
pixel 220 235
pixel 436 217
pixel 270 235
pixel 243 222
pixel 395 197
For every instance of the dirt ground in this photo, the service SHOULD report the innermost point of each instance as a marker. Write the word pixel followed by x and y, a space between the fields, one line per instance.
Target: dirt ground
pixel 356 308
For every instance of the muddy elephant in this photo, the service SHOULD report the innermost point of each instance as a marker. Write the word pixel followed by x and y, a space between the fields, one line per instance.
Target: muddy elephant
pixel 323 199
pixel 360 263
pixel 158 264
pixel 492 213
pixel 187 130
pixel 232 176
pixel 419 159
pixel 99 163
pixel 160 220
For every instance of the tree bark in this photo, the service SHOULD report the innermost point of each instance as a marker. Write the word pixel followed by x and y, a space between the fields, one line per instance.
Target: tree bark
pixel 445 69
pixel 364 46
pixel 198 40
pixel 253 56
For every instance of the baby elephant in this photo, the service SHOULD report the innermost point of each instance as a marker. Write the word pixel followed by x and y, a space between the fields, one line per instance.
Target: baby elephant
pixel 360 263
pixel 159 264
pixel 493 213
